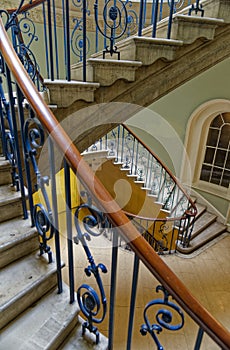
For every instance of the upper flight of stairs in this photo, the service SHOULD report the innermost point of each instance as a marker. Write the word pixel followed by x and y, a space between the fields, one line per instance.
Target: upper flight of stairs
pixel 149 69
pixel 33 315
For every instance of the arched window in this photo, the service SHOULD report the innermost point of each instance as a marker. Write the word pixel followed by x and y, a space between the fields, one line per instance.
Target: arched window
pixel 216 164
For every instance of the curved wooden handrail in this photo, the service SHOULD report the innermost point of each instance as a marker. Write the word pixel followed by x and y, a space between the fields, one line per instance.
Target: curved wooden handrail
pixel 27 7
pixel 129 233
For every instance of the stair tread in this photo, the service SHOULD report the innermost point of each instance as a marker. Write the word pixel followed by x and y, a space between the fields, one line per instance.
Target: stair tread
pixel 212 230
pixel 17 277
pixel 39 327
pixel 203 221
pixel 8 194
pixel 13 231
pixel 4 162
pixel 210 233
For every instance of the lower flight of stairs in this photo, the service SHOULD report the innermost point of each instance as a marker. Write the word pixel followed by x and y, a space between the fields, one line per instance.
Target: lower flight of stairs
pixel 206 228
pixel 33 315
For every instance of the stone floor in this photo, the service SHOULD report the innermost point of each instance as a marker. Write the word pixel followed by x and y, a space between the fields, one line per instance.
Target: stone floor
pixel 206 274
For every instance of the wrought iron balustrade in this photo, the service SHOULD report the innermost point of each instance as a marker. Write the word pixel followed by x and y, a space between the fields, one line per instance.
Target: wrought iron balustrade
pixel 131 154
pixel 49 37
pixel 106 216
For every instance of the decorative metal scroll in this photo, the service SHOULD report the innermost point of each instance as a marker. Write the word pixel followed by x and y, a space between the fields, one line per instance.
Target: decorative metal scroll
pixel 8 140
pixel 164 317
pixel 34 140
pixel 115 22
pixel 77 41
pixel 24 34
pixel 94 223
pixel 197 7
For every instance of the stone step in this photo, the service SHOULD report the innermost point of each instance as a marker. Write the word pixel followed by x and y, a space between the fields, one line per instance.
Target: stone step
pixel 107 71
pixel 202 28
pixel 5 176
pixel 17 239
pixel 10 203
pixel 147 50
pixel 75 341
pixel 210 233
pixel 64 93
pixel 205 220
pixel 44 325
pixel 22 283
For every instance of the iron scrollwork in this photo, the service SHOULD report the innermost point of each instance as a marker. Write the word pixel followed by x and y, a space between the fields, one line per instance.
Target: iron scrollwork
pixel 114 15
pixel 94 224
pixel 164 317
pixel 34 139
pixel 77 41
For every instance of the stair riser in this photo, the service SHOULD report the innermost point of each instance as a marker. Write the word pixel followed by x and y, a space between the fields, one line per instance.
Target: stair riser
pixel 61 336
pixel 5 177
pixel 18 251
pixel 10 210
pixel 21 302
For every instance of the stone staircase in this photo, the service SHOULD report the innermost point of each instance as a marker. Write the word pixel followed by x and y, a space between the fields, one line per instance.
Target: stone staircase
pixel 206 224
pixel 33 314
pixel 149 68
pixel 206 227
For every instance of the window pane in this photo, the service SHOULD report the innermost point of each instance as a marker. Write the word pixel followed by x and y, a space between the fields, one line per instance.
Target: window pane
pixel 220 158
pixel 226 117
pixel 227 166
pixel 205 173
pixel 216 176
pixel 209 155
pixel 217 122
pixel 224 137
pixel 226 179
pixel 213 137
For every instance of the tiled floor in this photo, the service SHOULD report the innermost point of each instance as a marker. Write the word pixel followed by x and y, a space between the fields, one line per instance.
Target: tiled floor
pixel 207 275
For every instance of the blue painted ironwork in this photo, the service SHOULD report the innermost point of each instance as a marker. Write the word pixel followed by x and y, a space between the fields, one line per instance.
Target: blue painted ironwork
pixel 69 230
pixel 199 339
pixel 133 300
pixel 42 214
pixel 94 224
pixel 164 317
pixel 197 7
pixel 114 13
pixel 113 284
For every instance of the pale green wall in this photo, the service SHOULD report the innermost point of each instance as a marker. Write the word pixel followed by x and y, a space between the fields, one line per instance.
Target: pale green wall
pixel 175 109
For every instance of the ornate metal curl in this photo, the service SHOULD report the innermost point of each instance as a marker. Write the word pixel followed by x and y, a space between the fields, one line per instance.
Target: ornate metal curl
pixel 76 35
pixel 164 317
pixel 197 7
pixel 90 303
pixel 112 15
pixel 34 140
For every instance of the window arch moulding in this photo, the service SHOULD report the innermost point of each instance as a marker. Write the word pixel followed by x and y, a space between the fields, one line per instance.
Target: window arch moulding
pixel 195 146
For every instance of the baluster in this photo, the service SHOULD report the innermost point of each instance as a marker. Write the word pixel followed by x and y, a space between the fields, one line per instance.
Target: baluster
pixel 69 230
pixel 17 147
pixel 170 18
pixel 199 339
pixel 133 300
pixel 113 284
pixel 55 214
pixel 50 40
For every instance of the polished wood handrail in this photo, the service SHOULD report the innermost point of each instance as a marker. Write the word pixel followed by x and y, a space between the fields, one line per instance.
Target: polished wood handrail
pixel 129 233
pixel 27 7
